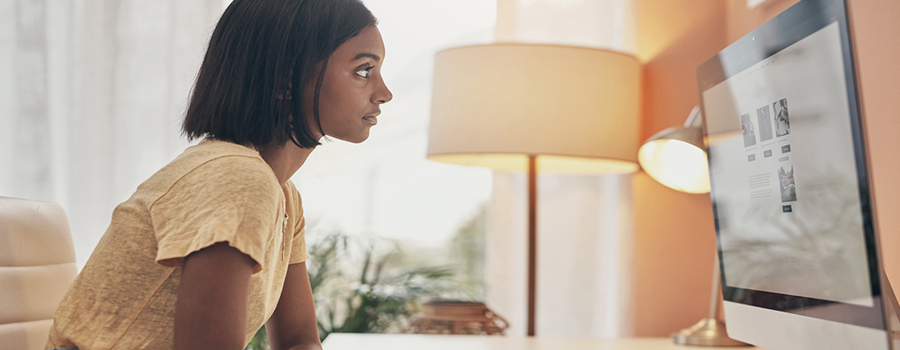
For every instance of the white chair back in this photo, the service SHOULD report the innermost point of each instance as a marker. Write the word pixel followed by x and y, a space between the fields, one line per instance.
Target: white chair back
pixel 37 264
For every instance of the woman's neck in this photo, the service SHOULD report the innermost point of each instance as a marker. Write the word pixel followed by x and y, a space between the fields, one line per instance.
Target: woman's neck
pixel 285 160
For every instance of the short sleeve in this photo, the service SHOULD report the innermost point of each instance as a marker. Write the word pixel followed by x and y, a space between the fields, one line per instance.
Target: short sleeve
pixel 299 252
pixel 233 199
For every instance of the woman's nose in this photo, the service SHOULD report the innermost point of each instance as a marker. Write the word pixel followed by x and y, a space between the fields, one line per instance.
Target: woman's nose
pixel 383 94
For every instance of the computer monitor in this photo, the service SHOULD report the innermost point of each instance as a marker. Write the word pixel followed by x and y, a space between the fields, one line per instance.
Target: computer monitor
pixel 794 220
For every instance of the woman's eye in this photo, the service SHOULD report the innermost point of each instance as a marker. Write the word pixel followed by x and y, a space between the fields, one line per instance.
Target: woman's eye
pixel 364 72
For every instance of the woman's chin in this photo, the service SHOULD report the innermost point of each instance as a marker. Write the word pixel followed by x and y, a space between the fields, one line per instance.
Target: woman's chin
pixel 353 138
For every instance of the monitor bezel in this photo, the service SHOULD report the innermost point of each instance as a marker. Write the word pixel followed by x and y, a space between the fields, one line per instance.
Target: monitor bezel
pixel 794 24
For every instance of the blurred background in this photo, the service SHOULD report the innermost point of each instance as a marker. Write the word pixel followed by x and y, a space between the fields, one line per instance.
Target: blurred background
pixel 92 93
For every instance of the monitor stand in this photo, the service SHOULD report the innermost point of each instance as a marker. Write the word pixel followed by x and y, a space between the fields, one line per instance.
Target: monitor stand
pixel 892 308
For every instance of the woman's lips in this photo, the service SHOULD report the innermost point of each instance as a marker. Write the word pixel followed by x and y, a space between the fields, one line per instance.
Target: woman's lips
pixel 371 120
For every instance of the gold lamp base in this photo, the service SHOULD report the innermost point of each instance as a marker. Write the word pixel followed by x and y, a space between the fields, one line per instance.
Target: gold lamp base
pixel 707 332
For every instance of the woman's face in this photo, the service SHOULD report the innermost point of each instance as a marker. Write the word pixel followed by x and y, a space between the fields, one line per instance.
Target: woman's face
pixel 352 88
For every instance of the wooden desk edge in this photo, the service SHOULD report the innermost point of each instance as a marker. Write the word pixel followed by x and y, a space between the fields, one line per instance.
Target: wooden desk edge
pixel 346 341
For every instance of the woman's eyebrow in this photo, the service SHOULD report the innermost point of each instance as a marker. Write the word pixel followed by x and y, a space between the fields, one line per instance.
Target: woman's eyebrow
pixel 365 55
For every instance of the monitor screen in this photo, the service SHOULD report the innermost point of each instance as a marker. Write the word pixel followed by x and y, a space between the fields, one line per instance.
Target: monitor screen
pixel 787 193
pixel 788 171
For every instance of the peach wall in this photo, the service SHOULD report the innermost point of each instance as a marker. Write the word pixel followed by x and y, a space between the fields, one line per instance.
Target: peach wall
pixel 877 33
pixel 674 234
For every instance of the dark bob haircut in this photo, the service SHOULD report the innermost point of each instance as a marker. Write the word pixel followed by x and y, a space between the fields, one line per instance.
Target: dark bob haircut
pixel 258 49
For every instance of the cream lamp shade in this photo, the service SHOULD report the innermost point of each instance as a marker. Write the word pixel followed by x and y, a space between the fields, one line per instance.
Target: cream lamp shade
pixel 675 157
pixel 575 108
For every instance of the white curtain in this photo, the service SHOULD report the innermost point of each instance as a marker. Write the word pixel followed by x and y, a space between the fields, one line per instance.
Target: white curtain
pixel 91 97
pixel 583 254
pixel 584 222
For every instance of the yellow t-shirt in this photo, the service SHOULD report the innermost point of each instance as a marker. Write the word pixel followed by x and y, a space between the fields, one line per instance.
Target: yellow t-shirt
pixel 216 191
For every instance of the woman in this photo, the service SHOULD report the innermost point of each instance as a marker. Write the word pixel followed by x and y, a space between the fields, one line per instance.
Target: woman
pixel 212 246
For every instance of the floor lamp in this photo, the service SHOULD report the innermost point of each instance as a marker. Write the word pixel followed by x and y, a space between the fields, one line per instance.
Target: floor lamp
pixel 675 157
pixel 535 108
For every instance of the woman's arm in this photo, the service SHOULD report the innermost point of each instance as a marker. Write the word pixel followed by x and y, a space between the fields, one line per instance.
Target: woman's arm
pixel 211 310
pixel 293 325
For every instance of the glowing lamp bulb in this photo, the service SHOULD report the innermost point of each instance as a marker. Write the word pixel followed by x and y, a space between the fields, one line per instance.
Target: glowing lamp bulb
pixel 676 164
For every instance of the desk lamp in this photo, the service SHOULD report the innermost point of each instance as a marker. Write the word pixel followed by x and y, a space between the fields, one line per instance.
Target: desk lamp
pixel 535 108
pixel 675 157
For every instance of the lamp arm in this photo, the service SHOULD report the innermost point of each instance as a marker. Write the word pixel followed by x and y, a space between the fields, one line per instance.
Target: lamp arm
pixel 714 294
pixel 694 120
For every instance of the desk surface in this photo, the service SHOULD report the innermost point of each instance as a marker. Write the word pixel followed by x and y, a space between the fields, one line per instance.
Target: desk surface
pixel 346 341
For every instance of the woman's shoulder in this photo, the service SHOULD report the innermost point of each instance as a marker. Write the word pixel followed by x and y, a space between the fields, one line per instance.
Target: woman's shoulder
pixel 213 164
pixel 210 148
pixel 220 161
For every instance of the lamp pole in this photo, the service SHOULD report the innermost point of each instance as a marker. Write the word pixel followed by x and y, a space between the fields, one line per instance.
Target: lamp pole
pixel 532 240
